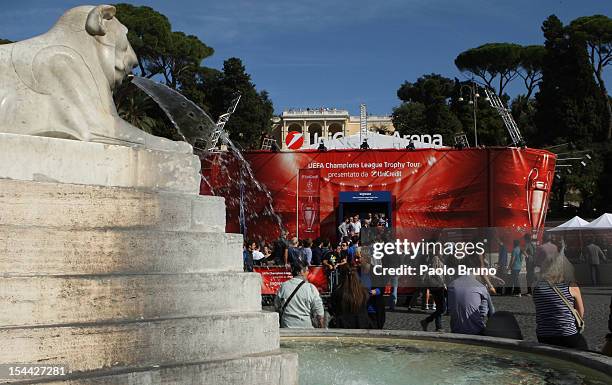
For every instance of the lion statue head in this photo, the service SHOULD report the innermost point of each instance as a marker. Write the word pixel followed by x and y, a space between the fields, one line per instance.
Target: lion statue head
pixel 60 83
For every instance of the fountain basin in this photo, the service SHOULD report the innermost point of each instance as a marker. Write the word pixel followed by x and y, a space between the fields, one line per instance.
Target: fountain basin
pixel 339 357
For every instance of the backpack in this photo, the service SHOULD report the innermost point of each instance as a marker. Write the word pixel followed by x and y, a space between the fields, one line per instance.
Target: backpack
pixel 296 257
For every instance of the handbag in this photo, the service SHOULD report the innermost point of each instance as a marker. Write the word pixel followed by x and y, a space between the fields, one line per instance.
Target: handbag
pixel 280 314
pixel 579 319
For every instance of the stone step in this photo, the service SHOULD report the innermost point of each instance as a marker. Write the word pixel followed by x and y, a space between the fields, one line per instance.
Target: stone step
pixel 263 369
pixel 50 251
pixel 42 159
pixel 120 346
pixel 73 206
pixel 31 301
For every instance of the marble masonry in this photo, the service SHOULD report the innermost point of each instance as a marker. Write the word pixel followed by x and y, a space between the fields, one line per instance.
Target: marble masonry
pixel 110 261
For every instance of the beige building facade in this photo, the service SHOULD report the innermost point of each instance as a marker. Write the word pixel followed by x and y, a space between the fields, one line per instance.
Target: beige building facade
pixel 327 123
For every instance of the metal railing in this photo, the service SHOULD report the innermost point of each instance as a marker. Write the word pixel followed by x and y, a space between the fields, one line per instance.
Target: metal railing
pixel 315 111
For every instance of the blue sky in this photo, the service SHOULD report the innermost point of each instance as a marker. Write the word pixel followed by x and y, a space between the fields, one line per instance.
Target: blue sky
pixel 336 53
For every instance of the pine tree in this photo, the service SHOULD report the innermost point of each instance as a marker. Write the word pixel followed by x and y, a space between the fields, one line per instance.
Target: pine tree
pixel 425 108
pixel 253 116
pixel 569 107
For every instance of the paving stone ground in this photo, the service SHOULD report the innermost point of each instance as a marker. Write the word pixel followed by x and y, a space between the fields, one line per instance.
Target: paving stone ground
pixel 597 309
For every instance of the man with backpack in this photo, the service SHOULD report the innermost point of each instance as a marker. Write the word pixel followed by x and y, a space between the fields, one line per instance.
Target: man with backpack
pixel 295 254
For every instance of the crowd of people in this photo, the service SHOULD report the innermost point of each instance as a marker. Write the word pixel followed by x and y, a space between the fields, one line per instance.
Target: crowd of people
pixel 356 303
pixel 526 255
pixel 285 252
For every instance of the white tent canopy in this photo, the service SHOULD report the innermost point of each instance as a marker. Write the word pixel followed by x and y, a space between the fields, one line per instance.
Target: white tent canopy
pixel 375 141
pixel 603 222
pixel 573 224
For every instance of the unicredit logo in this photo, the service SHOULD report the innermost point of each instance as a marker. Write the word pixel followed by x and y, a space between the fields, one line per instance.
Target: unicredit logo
pixel 294 140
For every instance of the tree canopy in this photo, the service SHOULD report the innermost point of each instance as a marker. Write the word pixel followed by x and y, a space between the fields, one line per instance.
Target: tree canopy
pixel 431 106
pixel 491 62
pixel 565 102
pixel 4 41
pixel 570 109
pixel 160 50
pixel 253 117
pixel 530 67
pixel 176 58
pixel 425 108
pixel 596 32
pixel 569 104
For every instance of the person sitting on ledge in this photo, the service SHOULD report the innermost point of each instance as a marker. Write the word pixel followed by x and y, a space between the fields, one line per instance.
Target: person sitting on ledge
pixel 558 305
pixel 469 302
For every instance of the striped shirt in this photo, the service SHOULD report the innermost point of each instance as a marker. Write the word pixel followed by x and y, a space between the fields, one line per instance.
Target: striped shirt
pixel 553 317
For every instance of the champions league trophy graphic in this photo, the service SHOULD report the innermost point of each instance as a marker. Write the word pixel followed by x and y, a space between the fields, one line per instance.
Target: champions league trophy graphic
pixel 537 197
pixel 309 200
pixel 309 213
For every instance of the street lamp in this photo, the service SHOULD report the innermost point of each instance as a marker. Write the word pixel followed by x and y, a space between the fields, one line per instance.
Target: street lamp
pixel 472 88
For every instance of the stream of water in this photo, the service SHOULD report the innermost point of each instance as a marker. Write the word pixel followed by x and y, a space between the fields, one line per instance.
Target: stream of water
pixel 195 126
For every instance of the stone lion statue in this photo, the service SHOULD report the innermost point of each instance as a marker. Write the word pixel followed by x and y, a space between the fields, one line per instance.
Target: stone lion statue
pixel 60 84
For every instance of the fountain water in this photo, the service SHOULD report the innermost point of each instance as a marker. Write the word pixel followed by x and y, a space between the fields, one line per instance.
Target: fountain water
pixel 198 129
pixel 413 358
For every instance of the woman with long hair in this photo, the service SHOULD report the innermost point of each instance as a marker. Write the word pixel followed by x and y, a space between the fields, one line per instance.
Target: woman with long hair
pixel 349 302
pixel 558 304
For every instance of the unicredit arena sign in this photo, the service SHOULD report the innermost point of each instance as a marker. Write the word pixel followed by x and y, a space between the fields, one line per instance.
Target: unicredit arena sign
pixel 311 191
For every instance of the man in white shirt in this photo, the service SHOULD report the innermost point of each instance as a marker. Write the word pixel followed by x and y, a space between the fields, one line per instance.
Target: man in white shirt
pixel 258 256
pixel 356 224
pixel 343 229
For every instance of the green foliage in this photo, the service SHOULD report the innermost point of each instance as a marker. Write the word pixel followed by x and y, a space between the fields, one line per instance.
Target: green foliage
pixel 148 32
pixel 491 61
pixel 584 182
pixel 184 54
pixel 425 108
pixel 523 110
pixel 602 201
pixel 569 106
pixel 198 85
pixel 596 33
pixel 570 109
pixel 530 67
pixel 489 125
pixel 428 89
pixel 176 57
pixel 4 41
pixel 497 64
pixel 431 106
pixel 409 118
pixel 160 50
pixel 253 116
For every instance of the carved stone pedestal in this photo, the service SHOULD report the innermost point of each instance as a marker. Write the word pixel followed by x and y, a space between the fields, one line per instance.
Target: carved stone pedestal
pixel 112 265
